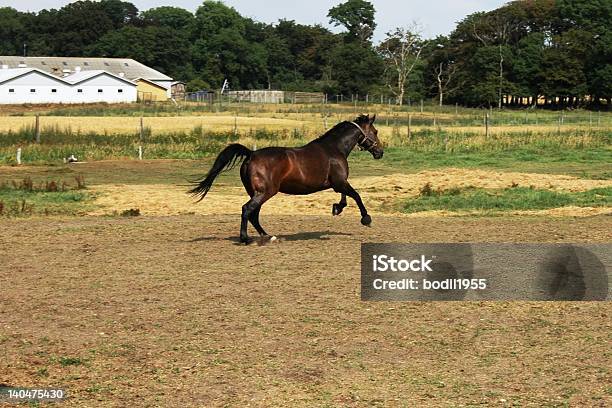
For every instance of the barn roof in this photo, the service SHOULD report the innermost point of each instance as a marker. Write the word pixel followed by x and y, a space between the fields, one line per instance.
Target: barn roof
pixel 130 68
pixel 82 76
pixel 151 83
pixel 9 74
pixel 74 79
pixel 6 74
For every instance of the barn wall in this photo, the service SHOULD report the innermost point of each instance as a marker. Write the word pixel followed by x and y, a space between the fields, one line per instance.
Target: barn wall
pixel 49 90
pixel 167 84
pixel 149 92
pixel 109 94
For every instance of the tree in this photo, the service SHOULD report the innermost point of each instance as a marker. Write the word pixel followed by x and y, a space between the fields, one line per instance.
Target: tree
pixel 444 75
pixel 162 48
pixel 357 69
pixel 310 54
pixel 495 29
pixel 401 51
pixel 120 12
pixel 12 31
pixel 214 16
pixel 173 17
pixel 528 66
pixel 357 16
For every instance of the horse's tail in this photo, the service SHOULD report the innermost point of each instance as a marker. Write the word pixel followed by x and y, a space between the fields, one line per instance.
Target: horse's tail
pixel 226 160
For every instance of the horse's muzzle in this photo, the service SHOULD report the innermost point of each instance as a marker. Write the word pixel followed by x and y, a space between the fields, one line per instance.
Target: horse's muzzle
pixel 377 154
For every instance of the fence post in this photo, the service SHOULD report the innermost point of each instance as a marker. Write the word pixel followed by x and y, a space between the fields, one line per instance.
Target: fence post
pixel 19 155
pixel 409 125
pixel 598 118
pixel 421 106
pixel 141 129
pixel 141 137
pixel 487 125
pixel 37 128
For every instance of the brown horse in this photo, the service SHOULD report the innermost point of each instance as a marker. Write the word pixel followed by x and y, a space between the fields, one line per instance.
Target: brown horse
pixel 317 166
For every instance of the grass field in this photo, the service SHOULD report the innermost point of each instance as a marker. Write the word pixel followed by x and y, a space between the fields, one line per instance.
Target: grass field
pixel 93 134
pixel 119 288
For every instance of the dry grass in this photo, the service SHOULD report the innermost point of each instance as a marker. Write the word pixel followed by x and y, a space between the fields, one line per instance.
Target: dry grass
pixel 312 123
pixel 380 193
pixel 114 125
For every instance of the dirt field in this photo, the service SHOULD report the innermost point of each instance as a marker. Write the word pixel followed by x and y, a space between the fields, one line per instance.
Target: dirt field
pixel 171 311
pixel 167 309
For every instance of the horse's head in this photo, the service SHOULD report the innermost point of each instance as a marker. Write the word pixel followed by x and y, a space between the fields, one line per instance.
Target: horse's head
pixel 368 139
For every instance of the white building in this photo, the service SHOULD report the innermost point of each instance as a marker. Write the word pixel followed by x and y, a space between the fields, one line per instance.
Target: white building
pixel 100 86
pixel 31 85
pixel 62 66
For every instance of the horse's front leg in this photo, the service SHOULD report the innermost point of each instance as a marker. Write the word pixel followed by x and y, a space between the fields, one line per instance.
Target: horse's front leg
pixel 346 189
pixel 337 208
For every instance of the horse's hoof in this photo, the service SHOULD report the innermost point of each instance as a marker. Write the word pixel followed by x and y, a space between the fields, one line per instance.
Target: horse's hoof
pixel 366 220
pixel 273 238
pixel 336 209
pixel 245 240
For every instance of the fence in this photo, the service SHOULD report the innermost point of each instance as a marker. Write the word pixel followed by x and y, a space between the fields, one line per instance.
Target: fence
pixel 405 121
pixel 200 96
pixel 257 96
pixel 305 97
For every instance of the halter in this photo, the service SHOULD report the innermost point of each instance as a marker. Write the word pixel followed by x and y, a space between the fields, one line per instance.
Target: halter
pixel 361 143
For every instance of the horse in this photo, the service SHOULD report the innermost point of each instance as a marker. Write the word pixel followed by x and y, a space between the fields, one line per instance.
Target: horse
pixel 317 166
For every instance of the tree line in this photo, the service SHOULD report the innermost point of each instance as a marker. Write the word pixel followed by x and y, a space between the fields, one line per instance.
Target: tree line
pixel 556 51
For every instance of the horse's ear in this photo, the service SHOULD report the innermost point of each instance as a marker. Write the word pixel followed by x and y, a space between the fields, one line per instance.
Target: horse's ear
pixel 372 119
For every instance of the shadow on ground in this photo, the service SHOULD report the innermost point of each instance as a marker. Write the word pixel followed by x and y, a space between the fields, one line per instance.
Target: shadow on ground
pixel 300 236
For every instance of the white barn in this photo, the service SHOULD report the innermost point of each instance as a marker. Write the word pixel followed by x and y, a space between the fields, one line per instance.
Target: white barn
pixel 100 86
pixel 61 66
pixel 31 85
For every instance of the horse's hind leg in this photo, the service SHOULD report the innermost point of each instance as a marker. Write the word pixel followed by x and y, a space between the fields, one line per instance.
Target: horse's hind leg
pixel 255 221
pixel 250 212
pixel 337 208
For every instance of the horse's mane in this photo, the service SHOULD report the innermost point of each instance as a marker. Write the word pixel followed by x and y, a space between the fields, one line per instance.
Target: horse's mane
pixel 339 128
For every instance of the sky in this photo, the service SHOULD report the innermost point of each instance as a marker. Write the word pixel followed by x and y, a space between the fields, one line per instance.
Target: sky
pixel 434 16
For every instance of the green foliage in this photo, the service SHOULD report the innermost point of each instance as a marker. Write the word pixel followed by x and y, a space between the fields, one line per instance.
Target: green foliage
pixel 357 16
pixel 509 199
pixel 197 85
pixel 356 68
pixel 173 17
pixel 25 197
pixel 557 50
